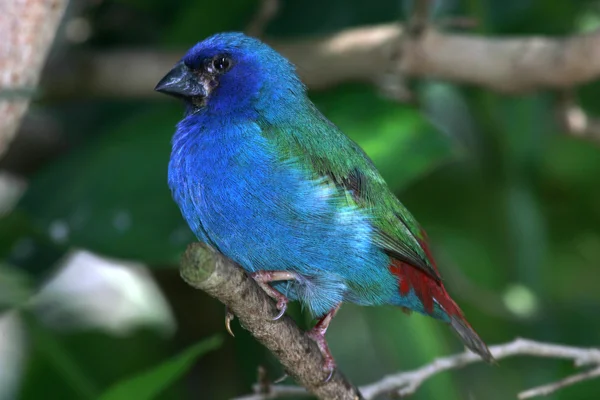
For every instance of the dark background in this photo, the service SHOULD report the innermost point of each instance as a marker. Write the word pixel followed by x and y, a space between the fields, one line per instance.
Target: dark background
pixel 511 203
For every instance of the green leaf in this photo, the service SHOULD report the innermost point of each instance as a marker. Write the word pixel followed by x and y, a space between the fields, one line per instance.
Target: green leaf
pixel 60 359
pixel 149 384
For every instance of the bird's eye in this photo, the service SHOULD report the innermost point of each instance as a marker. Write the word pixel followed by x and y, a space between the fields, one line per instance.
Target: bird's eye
pixel 220 64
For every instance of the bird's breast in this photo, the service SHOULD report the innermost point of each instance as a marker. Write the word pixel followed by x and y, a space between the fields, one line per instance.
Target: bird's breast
pixel 231 184
pixel 270 213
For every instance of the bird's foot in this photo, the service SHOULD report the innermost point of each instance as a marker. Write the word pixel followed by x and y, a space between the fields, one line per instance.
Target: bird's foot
pixel 229 316
pixel 317 334
pixel 319 338
pixel 263 278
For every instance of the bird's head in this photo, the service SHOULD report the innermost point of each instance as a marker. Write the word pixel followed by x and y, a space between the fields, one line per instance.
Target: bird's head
pixel 231 73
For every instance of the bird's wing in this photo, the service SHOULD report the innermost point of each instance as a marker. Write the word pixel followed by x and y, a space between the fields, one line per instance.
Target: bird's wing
pixel 321 148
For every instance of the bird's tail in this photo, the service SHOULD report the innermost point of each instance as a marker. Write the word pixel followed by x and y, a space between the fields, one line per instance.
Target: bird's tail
pixel 459 323
pixel 470 338
pixel 432 299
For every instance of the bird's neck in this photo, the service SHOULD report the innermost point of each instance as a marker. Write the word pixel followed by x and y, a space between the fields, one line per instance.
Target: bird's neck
pixel 231 125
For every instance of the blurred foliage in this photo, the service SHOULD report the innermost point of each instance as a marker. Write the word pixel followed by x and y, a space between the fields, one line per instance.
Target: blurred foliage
pixel 15 287
pixel 150 384
pixel 95 192
pixel 511 203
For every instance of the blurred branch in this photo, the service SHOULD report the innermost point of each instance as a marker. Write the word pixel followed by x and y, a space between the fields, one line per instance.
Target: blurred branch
pixel 513 65
pixel 27 29
pixel 205 269
pixel 407 383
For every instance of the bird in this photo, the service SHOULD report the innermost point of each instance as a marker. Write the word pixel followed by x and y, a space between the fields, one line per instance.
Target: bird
pixel 263 177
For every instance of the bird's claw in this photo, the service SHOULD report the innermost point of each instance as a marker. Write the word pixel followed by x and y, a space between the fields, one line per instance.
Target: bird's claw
pixel 281 378
pixel 331 371
pixel 282 303
pixel 229 316
pixel 263 278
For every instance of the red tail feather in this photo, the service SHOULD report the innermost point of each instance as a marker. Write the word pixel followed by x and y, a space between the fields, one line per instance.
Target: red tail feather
pixel 425 288
pixel 430 291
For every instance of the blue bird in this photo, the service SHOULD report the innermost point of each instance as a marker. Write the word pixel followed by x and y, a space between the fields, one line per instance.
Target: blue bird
pixel 264 178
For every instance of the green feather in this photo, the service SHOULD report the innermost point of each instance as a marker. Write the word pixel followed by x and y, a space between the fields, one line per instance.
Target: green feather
pixel 328 155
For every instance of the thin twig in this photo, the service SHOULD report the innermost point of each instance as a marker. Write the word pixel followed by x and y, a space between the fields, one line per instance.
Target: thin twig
pixel 553 387
pixel 407 383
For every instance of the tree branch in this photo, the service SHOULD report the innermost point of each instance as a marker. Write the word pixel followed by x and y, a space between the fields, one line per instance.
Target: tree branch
pixel 515 65
pixel 207 270
pixel 383 55
pixel 27 29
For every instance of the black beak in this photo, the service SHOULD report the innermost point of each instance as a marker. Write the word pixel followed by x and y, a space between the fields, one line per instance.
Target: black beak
pixel 181 82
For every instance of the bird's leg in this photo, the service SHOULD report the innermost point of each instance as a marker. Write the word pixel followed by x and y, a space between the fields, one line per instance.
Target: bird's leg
pixel 317 333
pixel 263 278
